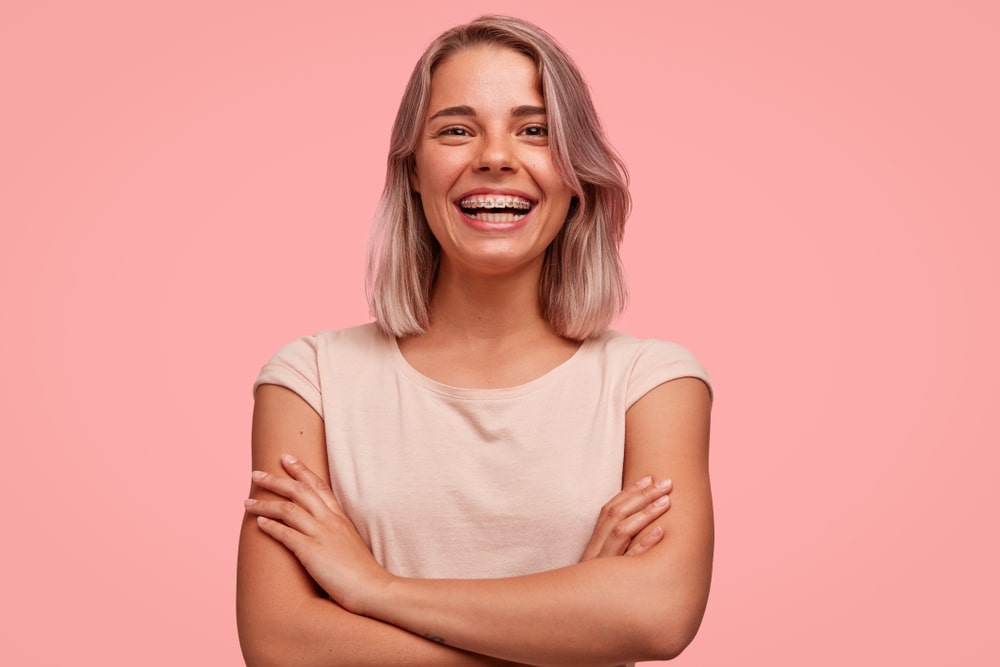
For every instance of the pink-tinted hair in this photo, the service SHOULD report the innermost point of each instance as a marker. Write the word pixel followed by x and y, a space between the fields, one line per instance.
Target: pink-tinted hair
pixel 582 287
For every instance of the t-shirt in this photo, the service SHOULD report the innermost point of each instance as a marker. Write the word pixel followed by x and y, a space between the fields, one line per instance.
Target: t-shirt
pixel 449 482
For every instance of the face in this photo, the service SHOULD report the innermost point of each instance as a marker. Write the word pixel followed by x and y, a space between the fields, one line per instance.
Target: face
pixel 490 191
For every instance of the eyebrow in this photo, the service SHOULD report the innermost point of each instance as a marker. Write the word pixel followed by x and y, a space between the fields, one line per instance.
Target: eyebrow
pixel 463 110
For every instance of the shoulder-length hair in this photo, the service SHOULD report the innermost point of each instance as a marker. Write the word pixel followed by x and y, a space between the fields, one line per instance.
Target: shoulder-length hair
pixel 582 287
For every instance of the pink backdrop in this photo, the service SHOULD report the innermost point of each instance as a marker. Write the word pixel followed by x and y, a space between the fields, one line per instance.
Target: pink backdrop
pixel 185 186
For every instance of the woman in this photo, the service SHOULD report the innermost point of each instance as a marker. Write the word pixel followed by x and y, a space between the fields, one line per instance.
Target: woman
pixel 483 476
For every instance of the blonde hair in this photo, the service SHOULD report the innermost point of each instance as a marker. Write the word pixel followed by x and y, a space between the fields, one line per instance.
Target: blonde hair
pixel 582 287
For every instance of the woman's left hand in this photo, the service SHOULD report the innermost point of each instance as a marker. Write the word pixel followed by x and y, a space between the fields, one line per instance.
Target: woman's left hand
pixel 626 516
pixel 311 524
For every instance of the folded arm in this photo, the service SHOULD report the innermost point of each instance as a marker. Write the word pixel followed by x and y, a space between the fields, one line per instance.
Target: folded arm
pixel 283 618
pixel 603 611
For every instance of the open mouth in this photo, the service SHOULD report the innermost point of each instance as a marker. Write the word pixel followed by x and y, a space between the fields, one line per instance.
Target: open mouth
pixel 495 208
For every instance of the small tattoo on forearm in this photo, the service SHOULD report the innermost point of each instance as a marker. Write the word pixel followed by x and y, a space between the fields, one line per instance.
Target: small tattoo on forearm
pixel 427 635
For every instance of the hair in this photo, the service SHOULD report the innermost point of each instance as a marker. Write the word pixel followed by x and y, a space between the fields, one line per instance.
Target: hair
pixel 582 286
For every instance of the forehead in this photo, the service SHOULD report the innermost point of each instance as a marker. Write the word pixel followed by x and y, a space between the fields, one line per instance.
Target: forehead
pixel 487 74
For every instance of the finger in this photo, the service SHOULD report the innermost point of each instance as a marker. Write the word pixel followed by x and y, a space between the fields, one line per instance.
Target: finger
pixel 291 538
pixel 300 493
pixel 609 538
pixel 283 511
pixel 622 533
pixel 609 516
pixel 301 472
pixel 639 496
pixel 648 541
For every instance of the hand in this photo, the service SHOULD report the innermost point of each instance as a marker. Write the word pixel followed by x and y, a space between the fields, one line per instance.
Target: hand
pixel 625 516
pixel 309 521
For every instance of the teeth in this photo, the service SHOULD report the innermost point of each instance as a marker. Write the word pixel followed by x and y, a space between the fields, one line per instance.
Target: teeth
pixel 495 201
pixel 497 217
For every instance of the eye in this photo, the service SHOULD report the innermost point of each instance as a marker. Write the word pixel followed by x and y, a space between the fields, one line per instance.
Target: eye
pixel 454 132
pixel 536 131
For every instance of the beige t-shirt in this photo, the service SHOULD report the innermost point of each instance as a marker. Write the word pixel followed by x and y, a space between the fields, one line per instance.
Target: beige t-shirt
pixel 446 482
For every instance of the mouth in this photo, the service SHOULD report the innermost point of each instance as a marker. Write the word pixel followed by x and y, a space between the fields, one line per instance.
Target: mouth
pixel 495 208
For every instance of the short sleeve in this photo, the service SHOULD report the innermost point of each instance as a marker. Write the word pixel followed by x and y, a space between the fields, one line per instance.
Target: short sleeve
pixel 296 367
pixel 657 362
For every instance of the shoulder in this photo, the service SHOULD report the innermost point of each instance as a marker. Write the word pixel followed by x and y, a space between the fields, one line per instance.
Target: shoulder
pixel 300 364
pixel 647 362
pixel 627 348
pixel 307 349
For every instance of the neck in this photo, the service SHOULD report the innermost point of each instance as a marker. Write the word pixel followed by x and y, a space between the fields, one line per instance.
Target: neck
pixel 494 307
pixel 486 330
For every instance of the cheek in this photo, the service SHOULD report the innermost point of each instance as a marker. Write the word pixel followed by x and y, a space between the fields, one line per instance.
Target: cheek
pixel 437 171
pixel 549 177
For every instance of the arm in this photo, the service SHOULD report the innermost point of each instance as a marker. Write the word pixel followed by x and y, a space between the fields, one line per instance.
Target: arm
pixel 283 618
pixel 598 612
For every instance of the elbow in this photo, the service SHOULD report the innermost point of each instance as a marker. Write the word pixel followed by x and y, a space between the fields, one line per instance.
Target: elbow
pixel 666 634
pixel 670 647
pixel 667 645
pixel 671 616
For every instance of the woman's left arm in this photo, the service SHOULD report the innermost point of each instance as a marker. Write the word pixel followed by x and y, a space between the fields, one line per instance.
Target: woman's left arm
pixel 599 612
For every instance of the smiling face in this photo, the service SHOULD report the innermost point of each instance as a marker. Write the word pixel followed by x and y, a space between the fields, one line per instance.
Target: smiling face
pixel 491 193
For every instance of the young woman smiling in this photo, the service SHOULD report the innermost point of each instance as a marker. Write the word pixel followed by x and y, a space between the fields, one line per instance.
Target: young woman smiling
pixel 485 475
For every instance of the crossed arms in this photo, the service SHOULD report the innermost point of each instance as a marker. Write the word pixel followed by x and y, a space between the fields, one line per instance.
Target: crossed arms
pixel 309 593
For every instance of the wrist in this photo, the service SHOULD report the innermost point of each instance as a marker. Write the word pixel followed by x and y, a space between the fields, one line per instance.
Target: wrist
pixel 378 601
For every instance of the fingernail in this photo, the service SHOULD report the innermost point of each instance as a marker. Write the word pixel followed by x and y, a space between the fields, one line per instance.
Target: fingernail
pixel 262 520
pixel 656 532
pixel 664 483
pixel 258 475
pixel 644 481
pixel 249 502
pixel 662 501
pixel 288 458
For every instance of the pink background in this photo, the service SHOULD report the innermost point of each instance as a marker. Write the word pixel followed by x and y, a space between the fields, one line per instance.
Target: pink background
pixel 186 186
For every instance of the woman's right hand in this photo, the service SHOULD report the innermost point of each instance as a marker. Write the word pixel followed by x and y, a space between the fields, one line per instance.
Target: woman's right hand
pixel 623 518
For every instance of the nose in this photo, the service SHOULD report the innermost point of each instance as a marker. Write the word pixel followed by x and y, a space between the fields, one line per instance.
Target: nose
pixel 497 155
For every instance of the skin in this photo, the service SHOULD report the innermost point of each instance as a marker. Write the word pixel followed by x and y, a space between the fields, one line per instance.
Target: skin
pixel 282 617
pixel 486 331
pixel 486 128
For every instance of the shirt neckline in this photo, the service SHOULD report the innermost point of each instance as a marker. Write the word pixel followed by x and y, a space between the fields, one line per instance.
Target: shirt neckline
pixel 452 391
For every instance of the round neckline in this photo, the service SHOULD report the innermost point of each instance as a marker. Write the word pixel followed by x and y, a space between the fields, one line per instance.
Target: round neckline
pixel 452 391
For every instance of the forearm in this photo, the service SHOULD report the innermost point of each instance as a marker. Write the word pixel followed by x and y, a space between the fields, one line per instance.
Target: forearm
pixel 283 621
pixel 321 634
pixel 282 618
pixel 601 612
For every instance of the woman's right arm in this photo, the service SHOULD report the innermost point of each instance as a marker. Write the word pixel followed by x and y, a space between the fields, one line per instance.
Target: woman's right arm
pixel 283 618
